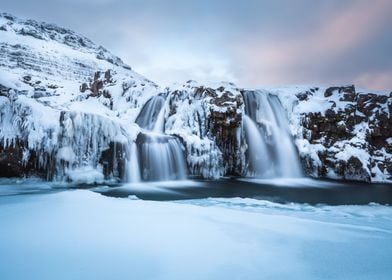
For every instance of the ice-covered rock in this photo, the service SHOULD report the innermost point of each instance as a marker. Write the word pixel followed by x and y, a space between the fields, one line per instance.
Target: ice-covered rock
pixel 208 118
pixel 65 102
pixel 341 132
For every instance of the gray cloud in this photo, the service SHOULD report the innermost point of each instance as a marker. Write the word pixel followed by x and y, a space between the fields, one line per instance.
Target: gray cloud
pixel 250 42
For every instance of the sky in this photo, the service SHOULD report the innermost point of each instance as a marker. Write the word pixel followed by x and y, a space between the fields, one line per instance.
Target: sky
pixel 251 43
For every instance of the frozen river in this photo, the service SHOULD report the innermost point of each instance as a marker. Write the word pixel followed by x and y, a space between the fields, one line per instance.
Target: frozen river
pixel 50 232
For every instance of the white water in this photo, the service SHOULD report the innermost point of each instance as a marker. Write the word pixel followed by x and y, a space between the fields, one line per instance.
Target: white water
pixel 150 113
pixel 258 152
pixel 162 158
pixel 156 156
pixel 160 122
pixel 271 149
pixel 133 169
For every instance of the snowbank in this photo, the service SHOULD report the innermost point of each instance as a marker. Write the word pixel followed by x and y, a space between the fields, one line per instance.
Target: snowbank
pixel 80 234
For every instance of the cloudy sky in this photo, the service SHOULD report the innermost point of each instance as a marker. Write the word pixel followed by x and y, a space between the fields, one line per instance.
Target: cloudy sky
pixel 252 43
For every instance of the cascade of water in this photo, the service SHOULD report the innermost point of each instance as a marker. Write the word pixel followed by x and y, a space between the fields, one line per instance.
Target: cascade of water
pixel 133 169
pixel 259 159
pixel 156 156
pixel 161 157
pixel 271 151
pixel 286 152
pixel 151 112
pixel 160 122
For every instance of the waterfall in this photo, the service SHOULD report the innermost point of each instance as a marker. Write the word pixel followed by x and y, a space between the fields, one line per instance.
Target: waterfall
pixel 271 151
pixel 133 169
pixel 160 122
pixel 257 148
pixel 150 113
pixel 156 156
pixel 161 157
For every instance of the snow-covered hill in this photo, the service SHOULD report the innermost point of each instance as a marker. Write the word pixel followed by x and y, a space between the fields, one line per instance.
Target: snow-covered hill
pixel 71 110
pixel 47 108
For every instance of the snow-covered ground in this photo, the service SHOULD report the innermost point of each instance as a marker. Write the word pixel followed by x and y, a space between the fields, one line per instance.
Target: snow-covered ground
pixel 79 234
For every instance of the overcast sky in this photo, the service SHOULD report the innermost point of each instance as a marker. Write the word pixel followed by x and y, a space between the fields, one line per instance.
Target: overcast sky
pixel 252 43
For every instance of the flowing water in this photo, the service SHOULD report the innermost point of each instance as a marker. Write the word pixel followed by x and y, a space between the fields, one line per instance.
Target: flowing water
pixel 150 113
pixel 155 156
pixel 271 151
pixel 161 157
pixel 133 169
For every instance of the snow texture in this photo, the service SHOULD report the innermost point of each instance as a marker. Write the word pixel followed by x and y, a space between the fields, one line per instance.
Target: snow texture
pixel 83 235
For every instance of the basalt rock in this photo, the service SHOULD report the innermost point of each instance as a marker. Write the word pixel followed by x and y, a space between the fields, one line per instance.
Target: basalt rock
pixel 113 161
pixel 18 161
pixel 352 136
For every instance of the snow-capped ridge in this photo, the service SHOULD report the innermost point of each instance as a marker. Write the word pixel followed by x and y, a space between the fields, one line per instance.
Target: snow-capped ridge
pixel 52 32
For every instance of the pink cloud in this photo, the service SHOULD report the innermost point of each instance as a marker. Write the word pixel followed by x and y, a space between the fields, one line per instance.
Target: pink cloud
pixel 376 81
pixel 275 61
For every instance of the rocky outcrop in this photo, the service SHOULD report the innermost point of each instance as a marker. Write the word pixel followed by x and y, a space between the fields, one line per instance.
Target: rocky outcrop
pixel 343 133
pixel 18 161
pixel 39 141
pixel 208 119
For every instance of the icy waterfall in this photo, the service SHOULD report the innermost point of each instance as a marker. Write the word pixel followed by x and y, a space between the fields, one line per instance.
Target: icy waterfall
pixel 271 151
pixel 155 156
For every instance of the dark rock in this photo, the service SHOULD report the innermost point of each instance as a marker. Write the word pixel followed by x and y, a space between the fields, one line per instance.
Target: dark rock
pixel 17 161
pixel 108 76
pixel 347 93
pixel 83 87
pixel 329 91
pixel 40 92
pixel 354 170
pixel 113 161
pixel 4 91
pixel 339 125
pixel 95 87
pixel 303 96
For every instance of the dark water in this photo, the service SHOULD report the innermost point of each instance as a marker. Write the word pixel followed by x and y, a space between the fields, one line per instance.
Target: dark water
pixel 282 191
pixel 309 191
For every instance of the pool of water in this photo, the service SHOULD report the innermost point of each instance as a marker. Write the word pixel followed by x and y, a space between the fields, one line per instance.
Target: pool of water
pixel 302 190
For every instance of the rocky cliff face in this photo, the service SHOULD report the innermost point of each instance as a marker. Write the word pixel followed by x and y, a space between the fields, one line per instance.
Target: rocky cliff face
pixel 341 132
pixel 69 111
pixel 208 119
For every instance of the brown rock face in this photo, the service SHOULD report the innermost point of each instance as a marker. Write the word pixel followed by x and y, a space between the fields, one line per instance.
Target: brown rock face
pixel 18 161
pixel 96 86
pixel 337 130
pixel 224 125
